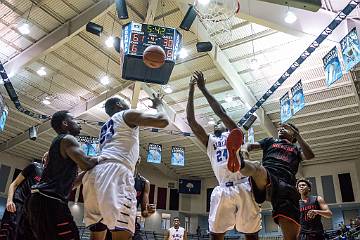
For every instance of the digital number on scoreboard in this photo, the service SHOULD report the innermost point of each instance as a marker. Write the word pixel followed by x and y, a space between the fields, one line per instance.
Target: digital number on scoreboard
pixel 137 37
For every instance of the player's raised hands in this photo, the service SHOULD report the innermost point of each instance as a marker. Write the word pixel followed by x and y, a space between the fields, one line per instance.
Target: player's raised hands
pixel 200 80
pixel 156 100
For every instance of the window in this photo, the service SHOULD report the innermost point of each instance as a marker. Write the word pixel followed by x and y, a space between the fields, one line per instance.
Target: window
pixel 4 175
pixel 347 193
pixel 187 224
pixel 165 221
pixel 328 189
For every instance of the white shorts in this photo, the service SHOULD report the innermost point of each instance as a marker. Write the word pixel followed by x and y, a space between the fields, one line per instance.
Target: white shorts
pixel 110 196
pixel 234 206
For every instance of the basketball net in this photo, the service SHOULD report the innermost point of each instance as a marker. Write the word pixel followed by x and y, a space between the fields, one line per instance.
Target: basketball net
pixel 217 17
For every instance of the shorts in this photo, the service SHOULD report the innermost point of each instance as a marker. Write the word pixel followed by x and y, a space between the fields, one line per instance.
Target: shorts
pixel 234 206
pixel 13 225
pixel 311 236
pixel 110 196
pixel 50 219
pixel 284 198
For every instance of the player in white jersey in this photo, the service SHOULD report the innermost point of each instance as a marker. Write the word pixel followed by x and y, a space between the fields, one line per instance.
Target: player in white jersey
pixel 176 232
pixel 232 203
pixel 109 193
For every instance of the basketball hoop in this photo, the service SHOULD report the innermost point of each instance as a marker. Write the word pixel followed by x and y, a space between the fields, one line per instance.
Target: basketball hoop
pixel 217 16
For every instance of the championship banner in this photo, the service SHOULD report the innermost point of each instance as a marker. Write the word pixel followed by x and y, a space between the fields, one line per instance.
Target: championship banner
pixel 332 67
pixel 189 186
pixel 298 98
pixel 251 136
pixel 3 113
pixel 350 50
pixel 340 17
pixel 89 145
pixel 154 153
pixel 177 156
pixel 285 108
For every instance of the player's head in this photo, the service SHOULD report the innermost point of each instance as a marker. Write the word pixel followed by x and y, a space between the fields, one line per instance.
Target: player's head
pixel 64 123
pixel 303 186
pixel 114 105
pixel 219 128
pixel 45 159
pixel 289 135
pixel 176 222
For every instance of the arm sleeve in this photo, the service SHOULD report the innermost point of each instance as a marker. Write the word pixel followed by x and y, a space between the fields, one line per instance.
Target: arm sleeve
pixel 26 172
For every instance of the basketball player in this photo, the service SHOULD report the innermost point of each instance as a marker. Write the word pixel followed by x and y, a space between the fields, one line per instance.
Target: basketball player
pixel 275 179
pixel 232 203
pixel 47 210
pixel 109 193
pixel 142 187
pixel 312 208
pixel 12 223
pixel 176 232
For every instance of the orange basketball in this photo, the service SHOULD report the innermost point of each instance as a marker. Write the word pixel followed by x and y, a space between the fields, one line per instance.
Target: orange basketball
pixel 154 56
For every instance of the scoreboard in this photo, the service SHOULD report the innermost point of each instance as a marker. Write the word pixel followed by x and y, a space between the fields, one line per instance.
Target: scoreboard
pixel 136 37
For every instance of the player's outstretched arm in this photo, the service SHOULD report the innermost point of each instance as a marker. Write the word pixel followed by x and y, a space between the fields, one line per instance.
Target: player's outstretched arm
pixel 10 205
pixel 146 208
pixel 197 129
pixel 214 104
pixel 306 151
pixel 325 210
pixel 138 118
pixel 70 147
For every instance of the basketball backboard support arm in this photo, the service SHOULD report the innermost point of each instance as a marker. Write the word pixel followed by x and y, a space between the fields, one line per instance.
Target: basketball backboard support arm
pixel 229 72
pixel 150 16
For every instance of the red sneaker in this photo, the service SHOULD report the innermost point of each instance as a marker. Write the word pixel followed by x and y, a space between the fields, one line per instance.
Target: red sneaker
pixel 233 144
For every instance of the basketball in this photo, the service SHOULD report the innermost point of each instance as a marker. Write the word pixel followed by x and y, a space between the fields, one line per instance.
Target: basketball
pixel 154 56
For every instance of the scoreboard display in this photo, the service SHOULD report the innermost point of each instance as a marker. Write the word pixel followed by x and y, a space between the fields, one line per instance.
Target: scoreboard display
pixel 136 37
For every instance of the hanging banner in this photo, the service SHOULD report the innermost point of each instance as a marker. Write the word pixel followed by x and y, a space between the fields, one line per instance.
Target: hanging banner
pixel 3 113
pixel 154 153
pixel 350 49
pixel 285 108
pixel 177 156
pixel 251 136
pixel 313 46
pixel 188 186
pixel 332 67
pixel 298 98
pixel 89 144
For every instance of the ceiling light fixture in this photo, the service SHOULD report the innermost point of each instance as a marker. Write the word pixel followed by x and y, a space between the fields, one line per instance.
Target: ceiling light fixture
pixel 41 72
pixel 24 28
pixel 204 2
pixel 290 17
pixel 183 53
pixel 105 80
pixel 109 42
pixel 229 98
pixel 46 101
pixel 254 64
pixel 167 89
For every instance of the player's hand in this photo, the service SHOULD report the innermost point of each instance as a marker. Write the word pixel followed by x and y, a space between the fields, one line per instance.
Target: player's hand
pixel 10 206
pixel 192 82
pixel 311 214
pixel 200 80
pixel 156 100
pixel 290 128
pixel 151 208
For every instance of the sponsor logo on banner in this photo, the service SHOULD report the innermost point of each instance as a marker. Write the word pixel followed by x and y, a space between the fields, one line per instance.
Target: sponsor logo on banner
pixel 350 49
pixel 285 108
pixel 332 67
pixel 298 98
pixel 177 156
pixel 154 153
pixel 89 144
